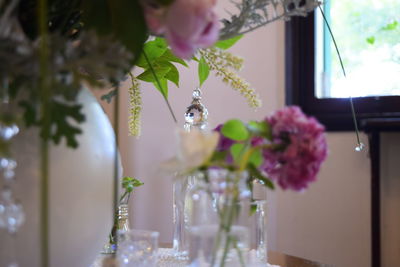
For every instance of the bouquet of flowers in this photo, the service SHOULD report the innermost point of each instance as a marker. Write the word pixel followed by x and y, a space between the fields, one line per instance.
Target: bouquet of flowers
pixel 286 148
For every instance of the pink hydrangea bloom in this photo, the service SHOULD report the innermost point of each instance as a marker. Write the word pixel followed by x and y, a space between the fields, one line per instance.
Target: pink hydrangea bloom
pixel 301 149
pixel 186 24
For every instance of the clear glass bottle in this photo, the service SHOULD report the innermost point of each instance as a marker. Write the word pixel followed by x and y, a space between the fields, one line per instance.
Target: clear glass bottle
pixel 121 224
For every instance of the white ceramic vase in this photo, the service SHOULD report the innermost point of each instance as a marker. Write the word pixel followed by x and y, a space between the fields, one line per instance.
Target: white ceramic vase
pixel 81 182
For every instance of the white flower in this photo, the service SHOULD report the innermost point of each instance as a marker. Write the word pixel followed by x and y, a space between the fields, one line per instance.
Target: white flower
pixel 195 148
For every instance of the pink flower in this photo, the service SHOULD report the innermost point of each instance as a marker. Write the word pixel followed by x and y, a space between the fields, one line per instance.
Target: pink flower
pixel 301 149
pixel 186 24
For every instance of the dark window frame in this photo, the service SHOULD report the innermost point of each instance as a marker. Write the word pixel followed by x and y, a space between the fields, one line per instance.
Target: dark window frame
pixel 334 113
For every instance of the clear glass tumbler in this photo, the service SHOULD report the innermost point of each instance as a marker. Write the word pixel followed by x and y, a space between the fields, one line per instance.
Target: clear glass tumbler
pixel 137 248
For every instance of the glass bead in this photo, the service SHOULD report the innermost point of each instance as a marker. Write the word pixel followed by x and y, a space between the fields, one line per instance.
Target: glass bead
pixel 11 212
pixel 8 131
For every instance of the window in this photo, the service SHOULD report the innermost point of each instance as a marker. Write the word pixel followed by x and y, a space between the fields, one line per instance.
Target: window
pixel 368 36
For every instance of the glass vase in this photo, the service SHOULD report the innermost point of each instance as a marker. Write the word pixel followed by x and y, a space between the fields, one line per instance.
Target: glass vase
pixel 218 236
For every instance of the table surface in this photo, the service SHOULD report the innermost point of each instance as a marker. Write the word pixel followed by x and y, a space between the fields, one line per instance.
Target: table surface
pixel 285 260
pixel 275 258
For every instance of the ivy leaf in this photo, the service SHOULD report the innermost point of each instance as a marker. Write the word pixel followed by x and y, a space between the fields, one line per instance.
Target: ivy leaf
pixel 164 89
pixel 254 172
pixel 235 130
pixel 261 128
pixel 226 44
pixel 148 75
pixel 204 70
pixel 371 40
pixel 129 183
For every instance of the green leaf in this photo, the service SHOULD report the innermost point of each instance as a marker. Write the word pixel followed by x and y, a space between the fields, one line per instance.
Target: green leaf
pixel 219 156
pixel 237 150
pixel 226 44
pixel 254 172
pixel 261 128
pixel 390 26
pixel 148 75
pixel 154 50
pixel 62 115
pixel 371 40
pixel 173 74
pixel 129 183
pixel 108 97
pixel 123 18
pixel 204 70
pixel 253 209
pixel 170 57
pixel 235 129
pixel 164 87
pixel 256 158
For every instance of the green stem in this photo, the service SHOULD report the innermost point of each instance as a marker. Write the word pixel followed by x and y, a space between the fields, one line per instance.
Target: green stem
pixel 239 252
pixel 159 85
pixel 44 88
pixel 227 228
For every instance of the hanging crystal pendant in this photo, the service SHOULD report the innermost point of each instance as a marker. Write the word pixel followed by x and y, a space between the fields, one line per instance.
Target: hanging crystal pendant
pixel 196 116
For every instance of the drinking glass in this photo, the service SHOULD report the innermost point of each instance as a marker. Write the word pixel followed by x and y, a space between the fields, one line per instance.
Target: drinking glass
pixel 137 248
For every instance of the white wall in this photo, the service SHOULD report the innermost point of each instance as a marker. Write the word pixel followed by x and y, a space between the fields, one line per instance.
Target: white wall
pixel 330 222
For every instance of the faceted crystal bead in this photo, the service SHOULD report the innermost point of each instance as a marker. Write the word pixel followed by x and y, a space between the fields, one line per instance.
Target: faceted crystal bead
pixel 8 131
pixel 11 212
pixel 359 147
pixel 8 166
pixel 196 94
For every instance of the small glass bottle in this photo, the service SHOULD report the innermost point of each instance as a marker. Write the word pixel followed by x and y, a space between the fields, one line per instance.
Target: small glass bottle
pixel 121 224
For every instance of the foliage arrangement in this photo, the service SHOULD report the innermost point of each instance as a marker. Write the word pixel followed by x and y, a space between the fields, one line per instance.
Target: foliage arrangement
pixel 286 148
pixel 98 43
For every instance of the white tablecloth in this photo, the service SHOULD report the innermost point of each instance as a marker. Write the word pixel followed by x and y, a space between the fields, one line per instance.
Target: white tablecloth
pixel 166 259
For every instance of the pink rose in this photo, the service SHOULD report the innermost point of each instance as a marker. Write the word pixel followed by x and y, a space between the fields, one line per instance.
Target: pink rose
pixel 186 24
